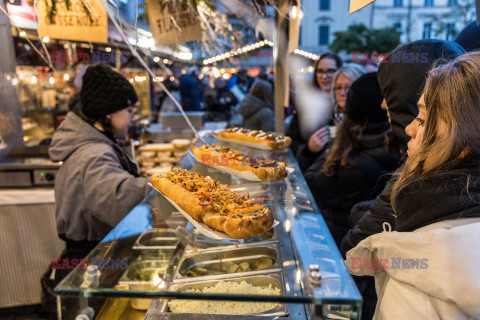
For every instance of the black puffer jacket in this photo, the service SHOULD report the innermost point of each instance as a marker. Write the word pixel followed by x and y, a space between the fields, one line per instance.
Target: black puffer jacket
pixel 401 78
pixel 335 195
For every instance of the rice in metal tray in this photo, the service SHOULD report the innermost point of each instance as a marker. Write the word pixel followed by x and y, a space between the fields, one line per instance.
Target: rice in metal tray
pixel 226 307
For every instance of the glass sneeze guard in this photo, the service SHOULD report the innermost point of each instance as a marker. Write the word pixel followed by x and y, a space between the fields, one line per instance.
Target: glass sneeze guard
pixel 155 253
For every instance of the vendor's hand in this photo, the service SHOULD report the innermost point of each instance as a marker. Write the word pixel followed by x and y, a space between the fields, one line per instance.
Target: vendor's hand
pixel 318 140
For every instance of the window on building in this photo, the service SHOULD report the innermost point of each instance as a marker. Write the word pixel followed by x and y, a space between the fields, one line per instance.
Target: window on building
pixel 427 30
pixel 450 31
pixel 428 3
pixel 323 34
pixel 398 3
pixel 452 3
pixel 324 5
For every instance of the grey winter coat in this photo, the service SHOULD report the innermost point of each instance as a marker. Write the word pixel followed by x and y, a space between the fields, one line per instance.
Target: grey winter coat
pixel 257 114
pixel 93 189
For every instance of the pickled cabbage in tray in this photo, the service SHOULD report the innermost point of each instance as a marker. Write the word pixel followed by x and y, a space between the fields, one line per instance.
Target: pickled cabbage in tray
pixel 230 267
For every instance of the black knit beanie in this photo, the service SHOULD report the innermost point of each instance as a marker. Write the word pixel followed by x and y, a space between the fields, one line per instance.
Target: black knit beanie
pixel 469 37
pixel 364 100
pixel 105 91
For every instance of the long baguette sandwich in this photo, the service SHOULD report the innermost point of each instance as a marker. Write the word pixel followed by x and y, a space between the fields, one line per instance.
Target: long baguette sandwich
pixel 264 169
pixel 270 139
pixel 214 204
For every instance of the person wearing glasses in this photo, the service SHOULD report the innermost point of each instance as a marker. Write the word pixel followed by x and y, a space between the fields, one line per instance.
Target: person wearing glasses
pixel 319 140
pixel 314 103
pixel 353 169
pixel 342 80
pixel 98 182
pixel 324 69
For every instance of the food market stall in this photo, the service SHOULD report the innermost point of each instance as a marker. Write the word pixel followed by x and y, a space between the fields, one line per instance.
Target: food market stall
pixel 156 265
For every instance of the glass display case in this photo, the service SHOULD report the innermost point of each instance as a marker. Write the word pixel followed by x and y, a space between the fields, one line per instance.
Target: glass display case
pixel 155 265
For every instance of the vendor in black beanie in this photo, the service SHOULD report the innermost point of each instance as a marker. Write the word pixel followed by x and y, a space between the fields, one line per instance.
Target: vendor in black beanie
pixel 354 168
pixel 99 182
pixel 105 91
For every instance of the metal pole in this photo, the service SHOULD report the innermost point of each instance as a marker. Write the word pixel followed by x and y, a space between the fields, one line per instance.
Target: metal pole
pixel 409 20
pixel 372 14
pixel 477 7
pixel 280 56
pixel 10 110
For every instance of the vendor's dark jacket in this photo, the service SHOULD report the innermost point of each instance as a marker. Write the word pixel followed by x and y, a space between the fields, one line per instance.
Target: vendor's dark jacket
pixel 365 179
pixel 401 83
pixel 97 184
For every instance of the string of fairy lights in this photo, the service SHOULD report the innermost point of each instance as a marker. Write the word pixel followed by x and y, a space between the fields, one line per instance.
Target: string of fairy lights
pixel 251 47
pixel 208 63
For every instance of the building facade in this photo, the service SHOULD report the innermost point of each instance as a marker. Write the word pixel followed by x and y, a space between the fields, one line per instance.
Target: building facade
pixel 322 18
pixel 414 19
pixel 424 19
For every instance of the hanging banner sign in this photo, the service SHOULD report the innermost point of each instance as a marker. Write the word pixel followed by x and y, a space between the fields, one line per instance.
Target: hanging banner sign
pixel 85 20
pixel 356 5
pixel 172 21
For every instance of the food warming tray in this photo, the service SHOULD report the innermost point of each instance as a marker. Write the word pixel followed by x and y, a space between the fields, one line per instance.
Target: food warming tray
pixel 275 279
pixel 227 262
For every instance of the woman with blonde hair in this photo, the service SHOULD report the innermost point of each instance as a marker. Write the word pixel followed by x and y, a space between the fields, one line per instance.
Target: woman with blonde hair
pixel 342 80
pixel 428 267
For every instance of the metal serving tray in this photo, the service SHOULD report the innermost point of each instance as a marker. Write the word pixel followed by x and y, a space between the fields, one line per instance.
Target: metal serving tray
pixel 202 243
pixel 157 244
pixel 138 273
pixel 274 279
pixel 223 258
pixel 139 276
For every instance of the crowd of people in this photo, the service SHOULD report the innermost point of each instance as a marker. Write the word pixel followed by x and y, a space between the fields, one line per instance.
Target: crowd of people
pixel 240 99
pixel 398 178
pixel 392 158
